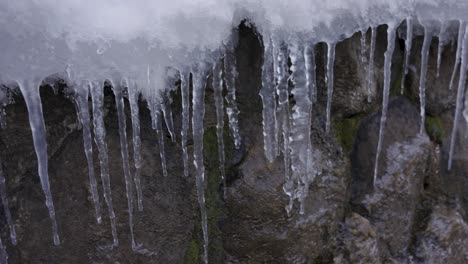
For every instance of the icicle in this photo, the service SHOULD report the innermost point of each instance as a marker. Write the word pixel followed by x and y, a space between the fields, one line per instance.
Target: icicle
pixel 408 44
pixel 199 81
pixel 97 96
pixel 461 33
pixel 330 63
pixel 167 113
pixel 184 86
pixel 300 129
pixel 218 97
pixel 370 70
pixel 422 79
pixel 30 91
pixel 133 95
pixel 119 102
pixel 267 93
pixel 281 53
pixel 81 102
pixel 4 100
pixel 230 76
pixel 160 134
pixel 278 113
pixel 386 93
pixel 3 253
pixel 461 86
pixel 363 46
pixel 309 58
pixel 441 45
pixel 155 105
pixel 465 111
pixel 6 208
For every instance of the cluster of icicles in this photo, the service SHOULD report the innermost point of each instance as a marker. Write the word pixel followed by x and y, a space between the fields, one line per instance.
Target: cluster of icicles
pixel 290 133
pixel 286 129
pixel 224 75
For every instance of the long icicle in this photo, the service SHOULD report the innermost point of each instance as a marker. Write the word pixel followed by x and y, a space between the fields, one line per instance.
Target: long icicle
pixel 386 94
pixel 97 96
pixel 282 92
pixel 218 98
pixel 408 44
pixel 157 119
pixel 267 93
pixel 184 86
pixel 465 111
pixel 133 96
pixel 330 64
pixel 81 101
pixel 6 208
pixel 461 86
pixel 199 81
pixel 230 76
pixel 309 58
pixel 460 40
pixel 278 112
pixel 167 113
pixel 301 126
pixel 30 91
pixel 370 70
pixel 363 46
pixel 422 78
pixel 440 48
pixel 119 102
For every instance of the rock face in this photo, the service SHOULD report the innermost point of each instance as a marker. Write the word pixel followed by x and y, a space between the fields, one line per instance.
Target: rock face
pixel 415 212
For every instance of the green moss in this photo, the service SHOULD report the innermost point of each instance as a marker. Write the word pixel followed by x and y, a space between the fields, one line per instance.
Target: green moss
pixel 210 147
pixel 346 129
pixel 193 253
pixel 434 128
pixel 395 89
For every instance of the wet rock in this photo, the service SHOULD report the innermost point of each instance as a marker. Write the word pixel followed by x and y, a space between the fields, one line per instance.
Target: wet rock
pixel 360 240
pixel 445 238
pixel 390 203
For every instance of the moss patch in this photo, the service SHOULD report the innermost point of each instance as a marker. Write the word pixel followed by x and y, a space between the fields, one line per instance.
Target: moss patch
pixel 395 89
pixel 434 128
pixel 193 253
pixel 346 129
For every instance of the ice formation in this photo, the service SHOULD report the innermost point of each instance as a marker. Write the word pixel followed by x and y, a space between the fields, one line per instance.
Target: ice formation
pixel 119 102
pixel 422 79
pixel 81 96
pixel 184 87
pixel 330 64
pixel 460 40
pixel 133 96
pixel 460 91
pixel 200 74
pixel 30 91
pixel 408 45
pixel 386 93
pixel 100 140
pixel 138 41
pixel 218 97
pixel 370 68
